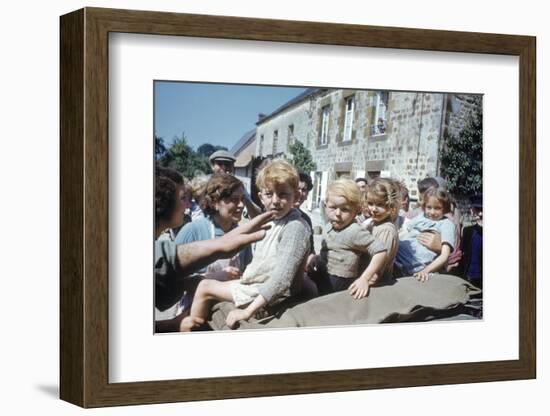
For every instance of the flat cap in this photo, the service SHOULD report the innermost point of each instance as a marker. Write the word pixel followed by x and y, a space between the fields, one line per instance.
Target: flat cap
pixel 222 155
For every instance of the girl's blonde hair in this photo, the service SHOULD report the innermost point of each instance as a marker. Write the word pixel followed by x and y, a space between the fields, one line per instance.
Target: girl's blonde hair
pixel 347 189
pixel 386 190
pixel 276 173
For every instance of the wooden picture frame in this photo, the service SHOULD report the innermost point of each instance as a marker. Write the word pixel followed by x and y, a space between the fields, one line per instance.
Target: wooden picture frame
pixel 84 207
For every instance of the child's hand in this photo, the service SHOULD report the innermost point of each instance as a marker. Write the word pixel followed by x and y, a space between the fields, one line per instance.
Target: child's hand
pixel 422 275
pixel 359 288
pixel 190 322
pixel 453 266
pixel 232 272
pixel 373 279
pixel 235 316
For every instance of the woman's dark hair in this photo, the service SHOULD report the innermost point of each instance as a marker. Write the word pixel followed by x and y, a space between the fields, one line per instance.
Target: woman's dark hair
pixel 165 197
pixel 169 173
pixel 305 178
pixel 218 187
pixel 426 183
pixel 167 181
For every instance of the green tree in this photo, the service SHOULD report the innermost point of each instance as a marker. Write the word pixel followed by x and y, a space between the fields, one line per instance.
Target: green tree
pixel 181 157
pixel 160 148
pixel 207 149
pixel 462 157
pixel 301 157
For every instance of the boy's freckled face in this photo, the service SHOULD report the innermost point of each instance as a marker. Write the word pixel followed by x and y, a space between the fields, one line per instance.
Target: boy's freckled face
pixel 340 214
pixel 278 198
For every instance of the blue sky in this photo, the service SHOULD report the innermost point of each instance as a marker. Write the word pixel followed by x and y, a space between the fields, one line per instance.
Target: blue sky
pixel 219 114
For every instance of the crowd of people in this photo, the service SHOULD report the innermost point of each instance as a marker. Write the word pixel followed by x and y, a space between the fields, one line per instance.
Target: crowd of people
pixel 205 253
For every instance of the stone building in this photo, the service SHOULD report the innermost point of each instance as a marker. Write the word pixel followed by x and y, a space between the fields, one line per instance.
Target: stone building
pixel 363 133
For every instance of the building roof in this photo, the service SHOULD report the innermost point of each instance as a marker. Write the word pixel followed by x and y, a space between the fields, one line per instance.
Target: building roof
pixel 245 149
pixel 243 141
pixel 246 155
pixel 298 99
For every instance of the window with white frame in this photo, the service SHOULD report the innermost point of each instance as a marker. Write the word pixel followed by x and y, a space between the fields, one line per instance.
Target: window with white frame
pixel 380 122
pixel 320 182
pixel 348 123
pixel 324 125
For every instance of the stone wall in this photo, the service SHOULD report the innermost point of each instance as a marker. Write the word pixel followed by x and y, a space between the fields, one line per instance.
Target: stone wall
pixel 412 146
pixel 299 115
pixel 408 150
pixel 460 106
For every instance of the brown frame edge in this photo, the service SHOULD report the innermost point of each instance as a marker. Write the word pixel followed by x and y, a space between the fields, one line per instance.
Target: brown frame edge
pixel 84 207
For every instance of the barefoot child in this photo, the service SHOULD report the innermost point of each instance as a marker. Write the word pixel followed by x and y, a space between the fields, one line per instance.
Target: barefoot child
pixel 383 203
pixel 278 262
pixel 346 243
pixel 412 257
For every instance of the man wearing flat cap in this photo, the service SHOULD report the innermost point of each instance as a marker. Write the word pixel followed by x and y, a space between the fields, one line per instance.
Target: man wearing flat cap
pixel 222 161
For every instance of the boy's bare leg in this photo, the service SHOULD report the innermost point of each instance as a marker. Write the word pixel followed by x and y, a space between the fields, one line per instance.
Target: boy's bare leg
pixel 207 291
pixel 189 322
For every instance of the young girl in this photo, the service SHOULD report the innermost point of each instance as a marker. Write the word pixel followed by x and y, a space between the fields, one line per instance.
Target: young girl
pixel 412 257
pixel 382 201
pixel 277 266
pixel 346 243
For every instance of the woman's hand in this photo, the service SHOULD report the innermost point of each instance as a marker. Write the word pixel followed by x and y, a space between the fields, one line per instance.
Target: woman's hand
pixel 431 240
pixel 235 316
pixel 245 234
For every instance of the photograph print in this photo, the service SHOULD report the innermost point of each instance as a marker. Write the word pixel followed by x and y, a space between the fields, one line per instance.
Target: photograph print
pixel 291 207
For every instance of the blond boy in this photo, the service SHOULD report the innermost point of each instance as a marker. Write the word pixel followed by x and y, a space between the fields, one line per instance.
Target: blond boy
pixel 345 244
pixel 276 269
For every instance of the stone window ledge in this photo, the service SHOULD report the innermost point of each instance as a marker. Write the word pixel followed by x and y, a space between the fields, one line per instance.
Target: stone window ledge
pixel 378 136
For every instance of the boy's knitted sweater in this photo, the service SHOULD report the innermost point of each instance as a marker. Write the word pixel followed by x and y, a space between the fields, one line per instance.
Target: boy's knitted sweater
pixel 278 260
pixel 342 249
